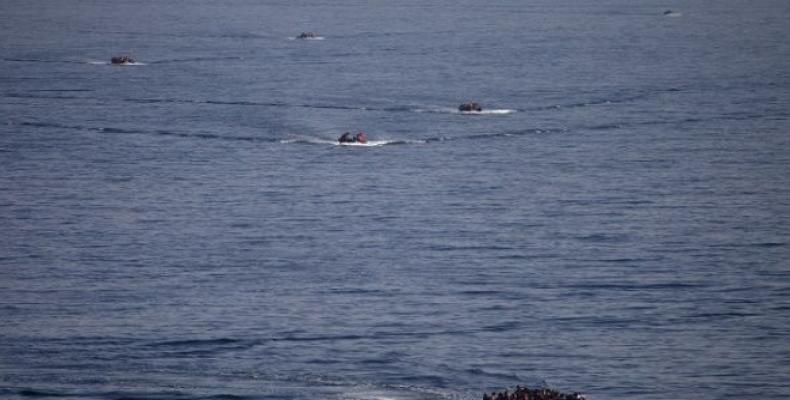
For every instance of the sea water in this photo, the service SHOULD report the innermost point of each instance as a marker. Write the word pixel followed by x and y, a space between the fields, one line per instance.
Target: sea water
pixel 615 222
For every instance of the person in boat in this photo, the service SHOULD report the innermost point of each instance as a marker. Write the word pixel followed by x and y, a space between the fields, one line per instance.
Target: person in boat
pixel 470 106
pixel 346 138
pixel 361 137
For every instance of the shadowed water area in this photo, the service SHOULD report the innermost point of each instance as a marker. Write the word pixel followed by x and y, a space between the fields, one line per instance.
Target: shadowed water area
pixel 615 222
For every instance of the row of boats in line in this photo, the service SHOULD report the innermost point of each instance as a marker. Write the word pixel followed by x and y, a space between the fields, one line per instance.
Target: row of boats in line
pixel 314 35
pixel 345 138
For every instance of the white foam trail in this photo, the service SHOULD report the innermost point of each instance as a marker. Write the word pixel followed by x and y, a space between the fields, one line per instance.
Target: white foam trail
pixel 310 141
pixel 502 111
pixel 369 143
pixel 109 63
pixel 370 395
pixel 447 110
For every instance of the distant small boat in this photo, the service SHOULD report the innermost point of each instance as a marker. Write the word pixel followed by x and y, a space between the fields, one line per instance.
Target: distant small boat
pixel 307 35
pixel 121 60
pixel 470 106
pixel 360 137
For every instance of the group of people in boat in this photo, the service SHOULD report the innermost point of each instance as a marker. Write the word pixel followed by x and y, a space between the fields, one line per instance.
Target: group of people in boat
pixel 360 137
pixel 122 60
pixel 525 393
pixel 307 35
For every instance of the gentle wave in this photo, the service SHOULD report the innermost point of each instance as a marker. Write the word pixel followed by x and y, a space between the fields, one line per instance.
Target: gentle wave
pixel 281 388
pixel 398 109
pixel 62 90
pixel 165 61
pixel 119 395
pixel 191 135
pixel 394 109
pixel 637 286
pixel 611 99
pixel 39 60
pixel 196 342
pixel 195 59
pixel 224 343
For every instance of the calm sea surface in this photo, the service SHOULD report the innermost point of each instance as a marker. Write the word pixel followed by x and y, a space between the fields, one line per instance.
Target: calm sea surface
pixel 617 223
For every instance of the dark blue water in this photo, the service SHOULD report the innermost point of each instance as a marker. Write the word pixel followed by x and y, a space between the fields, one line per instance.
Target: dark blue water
pixel 185 228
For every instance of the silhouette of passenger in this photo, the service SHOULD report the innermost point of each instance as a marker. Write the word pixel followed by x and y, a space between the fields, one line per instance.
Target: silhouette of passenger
pixel 346 138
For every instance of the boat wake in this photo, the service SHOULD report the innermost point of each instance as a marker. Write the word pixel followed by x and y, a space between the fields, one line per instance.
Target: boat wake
pixel 196 59
pixel 369 143
pixel 37 60
pixel 436 139
pixel 93 62
pixel 307 38
pixel 448 110
pixel 502 111
pixel 373 392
